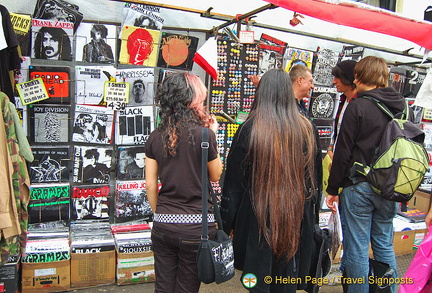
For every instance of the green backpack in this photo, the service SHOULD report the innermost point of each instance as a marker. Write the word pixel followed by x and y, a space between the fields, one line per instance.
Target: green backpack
pixel 400 161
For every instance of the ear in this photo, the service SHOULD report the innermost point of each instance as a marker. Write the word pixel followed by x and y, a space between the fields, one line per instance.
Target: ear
pixel 299 80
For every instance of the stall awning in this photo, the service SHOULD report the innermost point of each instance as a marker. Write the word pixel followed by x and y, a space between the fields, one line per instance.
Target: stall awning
pixel 363 16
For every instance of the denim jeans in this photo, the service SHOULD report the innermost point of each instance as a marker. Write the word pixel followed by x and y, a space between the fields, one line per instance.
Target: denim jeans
pixel 366 218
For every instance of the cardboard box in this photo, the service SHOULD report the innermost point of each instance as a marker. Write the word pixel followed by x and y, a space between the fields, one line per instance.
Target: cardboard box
pixel 419 236
pixel 46 277
pixel 421 201
pixel 403 242
pixel 401 224
pixel 91 269
pixel 9 277
pixel 133 268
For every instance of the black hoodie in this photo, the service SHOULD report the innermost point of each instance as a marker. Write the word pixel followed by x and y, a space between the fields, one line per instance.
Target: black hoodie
pixel 362 126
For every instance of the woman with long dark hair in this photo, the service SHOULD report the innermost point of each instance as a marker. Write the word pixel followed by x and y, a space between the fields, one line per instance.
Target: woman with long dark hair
pixel 173 153
pixel 271 187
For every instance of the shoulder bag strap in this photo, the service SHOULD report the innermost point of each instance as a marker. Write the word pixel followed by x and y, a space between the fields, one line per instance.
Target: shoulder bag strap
pixel 204 182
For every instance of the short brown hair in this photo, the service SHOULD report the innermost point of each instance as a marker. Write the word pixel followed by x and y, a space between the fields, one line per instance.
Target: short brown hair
pixel 372 70
pixel 297 71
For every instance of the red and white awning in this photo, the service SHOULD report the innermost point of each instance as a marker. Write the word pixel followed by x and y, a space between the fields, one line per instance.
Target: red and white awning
pixel 363 16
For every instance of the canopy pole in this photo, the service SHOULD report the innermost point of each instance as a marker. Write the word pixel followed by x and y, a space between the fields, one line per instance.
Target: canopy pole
pixel 243 16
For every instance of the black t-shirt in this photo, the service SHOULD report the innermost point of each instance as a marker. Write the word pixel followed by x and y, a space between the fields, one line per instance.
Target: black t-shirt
pixel 180 176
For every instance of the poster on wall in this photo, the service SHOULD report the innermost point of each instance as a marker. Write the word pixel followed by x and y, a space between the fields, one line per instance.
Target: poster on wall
pixel 93 124
pixel 326 59
pixel 49 123
pixel 96 43
pixel 141 85
pixel 139 46
pixel 52 40
pixel 56 80
pixel 91 164
pixel 90 81
pixel 50 164
pixel 296 56
pixel 177 51
pixel 144 16
pixel 272 51
pixel 134 125
pixel 90 202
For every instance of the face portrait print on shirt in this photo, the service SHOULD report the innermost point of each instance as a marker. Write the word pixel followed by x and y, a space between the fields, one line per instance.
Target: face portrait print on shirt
pixel 139 46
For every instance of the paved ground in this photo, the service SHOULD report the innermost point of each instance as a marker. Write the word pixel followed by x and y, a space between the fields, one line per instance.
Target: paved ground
pixel 232 286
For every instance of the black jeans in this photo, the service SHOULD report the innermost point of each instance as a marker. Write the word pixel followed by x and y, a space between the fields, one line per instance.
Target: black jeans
pixel 175 261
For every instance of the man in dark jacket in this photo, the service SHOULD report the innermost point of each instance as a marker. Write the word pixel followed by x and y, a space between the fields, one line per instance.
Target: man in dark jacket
pixel 302 83
pixel 366 216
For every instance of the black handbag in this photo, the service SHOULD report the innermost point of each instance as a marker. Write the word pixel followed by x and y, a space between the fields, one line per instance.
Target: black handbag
pixel 215 258
pixel 379 278
pixel 320 261
pixel 382 275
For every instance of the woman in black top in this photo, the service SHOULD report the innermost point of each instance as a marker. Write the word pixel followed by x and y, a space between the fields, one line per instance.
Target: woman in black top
pixel 271 188
pixel 173 152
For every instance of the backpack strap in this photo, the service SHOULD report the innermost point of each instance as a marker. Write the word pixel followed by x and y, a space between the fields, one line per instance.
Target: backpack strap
pixel 403 115
pixel 362 167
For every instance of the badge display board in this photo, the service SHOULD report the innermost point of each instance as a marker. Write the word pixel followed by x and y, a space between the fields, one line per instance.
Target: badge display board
pixel 234 91
pixel 224 138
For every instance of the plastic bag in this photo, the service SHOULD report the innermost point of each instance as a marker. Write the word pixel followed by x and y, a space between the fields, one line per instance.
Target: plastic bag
pixel 418 276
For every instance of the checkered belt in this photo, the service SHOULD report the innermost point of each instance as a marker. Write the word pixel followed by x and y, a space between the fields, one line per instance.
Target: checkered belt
pixel 181 218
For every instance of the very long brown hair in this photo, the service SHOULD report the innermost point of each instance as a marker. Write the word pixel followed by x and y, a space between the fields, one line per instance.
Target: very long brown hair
pixel 281 152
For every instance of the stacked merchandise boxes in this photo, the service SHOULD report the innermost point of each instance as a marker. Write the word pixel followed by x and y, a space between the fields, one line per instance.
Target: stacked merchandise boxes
pixel 93 254
pixel 46 261
pixel 135 261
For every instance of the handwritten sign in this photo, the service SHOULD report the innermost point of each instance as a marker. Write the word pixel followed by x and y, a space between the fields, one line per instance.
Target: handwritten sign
pixel 32 91
pixel 247 37
pixel 116 92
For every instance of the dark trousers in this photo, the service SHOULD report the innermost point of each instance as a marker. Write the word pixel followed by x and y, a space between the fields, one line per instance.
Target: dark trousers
pixel 175 262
